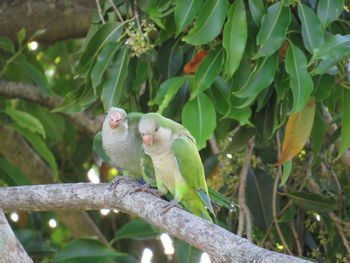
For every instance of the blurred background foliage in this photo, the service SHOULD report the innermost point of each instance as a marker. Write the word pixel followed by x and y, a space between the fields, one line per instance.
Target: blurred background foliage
pixel 269 76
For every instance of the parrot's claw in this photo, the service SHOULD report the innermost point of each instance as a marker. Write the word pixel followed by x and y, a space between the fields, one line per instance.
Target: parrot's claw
pixel 146 189
pixel 172 203
pixel 117 180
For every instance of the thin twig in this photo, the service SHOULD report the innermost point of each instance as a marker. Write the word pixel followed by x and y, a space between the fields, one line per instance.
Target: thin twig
pixel 116 10
pixel 274 197
pixel 296 238
pixel 244 215
pixel 100 11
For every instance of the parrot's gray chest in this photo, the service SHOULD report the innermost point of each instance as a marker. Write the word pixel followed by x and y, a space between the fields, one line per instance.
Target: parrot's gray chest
pixel 125 153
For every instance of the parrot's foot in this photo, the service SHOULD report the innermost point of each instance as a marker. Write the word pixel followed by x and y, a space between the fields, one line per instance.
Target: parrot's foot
pixel 146 189
pixel 117 180
pixel 172 203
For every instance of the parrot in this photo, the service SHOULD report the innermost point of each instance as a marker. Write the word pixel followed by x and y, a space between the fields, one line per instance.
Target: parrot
pixel 120 144
pixel 177 164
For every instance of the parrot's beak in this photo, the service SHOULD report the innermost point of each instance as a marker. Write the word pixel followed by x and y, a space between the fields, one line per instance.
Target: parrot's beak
pixel 115 119
pixel 147 139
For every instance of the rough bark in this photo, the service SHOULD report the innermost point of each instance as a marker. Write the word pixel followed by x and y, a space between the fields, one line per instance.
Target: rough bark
pixel 83 119
pixel 17 151
pixel 222 245
pixel 62 19
pixel 11 250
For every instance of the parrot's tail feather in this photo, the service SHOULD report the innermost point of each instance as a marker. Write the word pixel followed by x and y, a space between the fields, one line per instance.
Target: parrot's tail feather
pixel 206 200
pixel 222 200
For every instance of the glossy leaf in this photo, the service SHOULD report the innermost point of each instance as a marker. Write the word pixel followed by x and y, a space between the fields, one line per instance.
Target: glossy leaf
pixel 336 46
pixel 199 117
pixel 187 253
pixel 40 146
pixel 103 61
pixel 87 250
pixel 21 35
pixel 207 71
pixel 311 28
pixel 323 86
pixel 235 37
pixel 26 120
pixel 106 33
pixel 36 75
pixel 345 128
pixel 185 12
pixel 256 8
pixel 297 132
pixel 7 45
pixel 273 29
pixel 115 76
pixel 136 229
pixel 329 10
pixel 170 58
pixel 166 92
pixel 300 80
pixel 319 130
pixel 11 174
pixel 287 168
pixel 259 79
pixel 209 22
pixel 313 202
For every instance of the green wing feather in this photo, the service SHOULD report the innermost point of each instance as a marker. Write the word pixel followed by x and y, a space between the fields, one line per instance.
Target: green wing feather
pixel 191 168
pixel 148 173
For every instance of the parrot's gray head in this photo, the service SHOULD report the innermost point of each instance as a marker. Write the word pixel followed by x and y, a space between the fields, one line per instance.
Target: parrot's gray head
pixel 148 128
pixel 115 117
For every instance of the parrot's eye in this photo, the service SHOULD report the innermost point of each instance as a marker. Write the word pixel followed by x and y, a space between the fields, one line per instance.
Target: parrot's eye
pixel 106 113
pixel 157 128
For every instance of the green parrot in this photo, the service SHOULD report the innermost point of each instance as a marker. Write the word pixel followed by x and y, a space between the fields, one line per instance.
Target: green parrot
pixel 120 144
pixel 178 166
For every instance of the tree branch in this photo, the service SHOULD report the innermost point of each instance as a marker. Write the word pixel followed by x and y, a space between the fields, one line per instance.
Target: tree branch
pixel 31 93
pixel 222 245
pixel 11 250
pixel 61 19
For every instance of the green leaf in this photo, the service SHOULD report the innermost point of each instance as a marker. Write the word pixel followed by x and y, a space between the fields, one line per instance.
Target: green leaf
pixel 103 61
pixel 259 79
pixel 209 22
pixel 33 243
pixel 345 128
pixel 40 146
pixel 115 78
pixel 11 174
pixel 21 35
pixel 311 28
pixel 166 92
pixel 136 229
pixel 185 12
pixel 323 86
pixel 256 8
pixel 36 75
pixel 287 168
pixel 199 117
pixel 313 202
pixel 259 198
pixel 207 71
pixel 300 80
pixel 85 250
pixel 336 46
pixel 98 148
pixel 319 130
pixel 105 34
pixel 186 253
pixel 26 120
pixel 170 58
pixel 7 45
pixel 235 37
pixel 219 94
pixel 242 115
pixel 76 100
pixel 329 10
pixel 273 29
